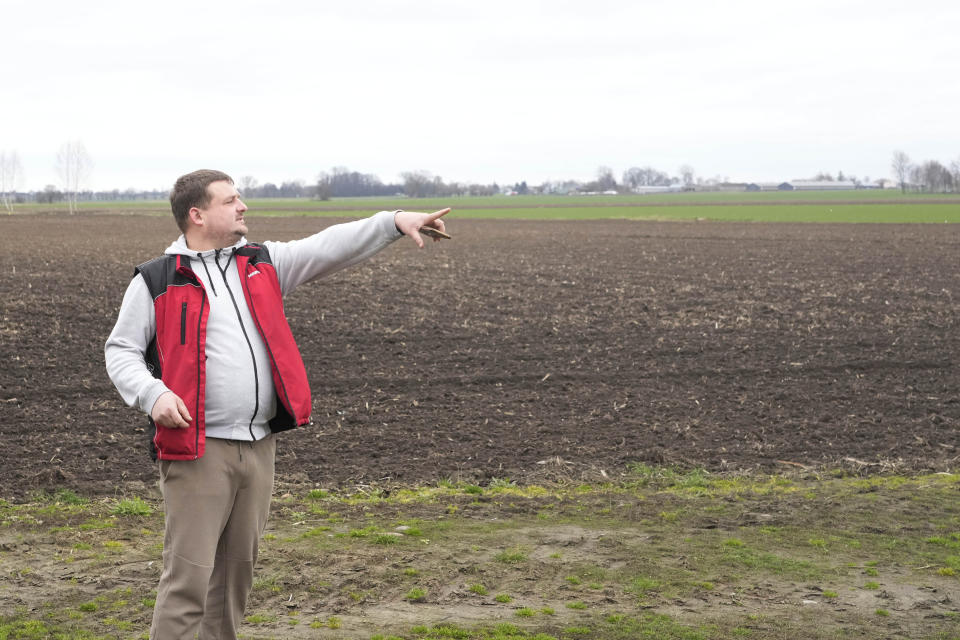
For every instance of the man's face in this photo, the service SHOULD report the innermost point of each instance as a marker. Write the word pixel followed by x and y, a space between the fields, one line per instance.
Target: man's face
pixel 223 222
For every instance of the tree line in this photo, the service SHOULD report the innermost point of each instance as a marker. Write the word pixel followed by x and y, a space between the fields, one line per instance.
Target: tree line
pixel 74 166
pixel 341 182
pixel 929 176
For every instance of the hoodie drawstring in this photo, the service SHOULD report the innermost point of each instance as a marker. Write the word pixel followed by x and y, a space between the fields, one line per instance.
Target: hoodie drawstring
pixel 209 279
pixel 223 271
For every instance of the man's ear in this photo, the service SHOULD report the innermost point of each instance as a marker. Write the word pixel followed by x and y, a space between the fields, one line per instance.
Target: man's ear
pixel 195 216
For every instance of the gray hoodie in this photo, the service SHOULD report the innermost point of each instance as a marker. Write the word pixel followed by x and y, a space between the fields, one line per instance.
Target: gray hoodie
pixel 240 398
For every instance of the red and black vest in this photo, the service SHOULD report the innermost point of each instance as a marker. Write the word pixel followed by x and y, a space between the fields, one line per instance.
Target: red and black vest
pixel 176 354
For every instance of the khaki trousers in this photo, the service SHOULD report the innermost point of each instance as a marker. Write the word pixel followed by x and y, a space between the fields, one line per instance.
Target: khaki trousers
pixel 216 509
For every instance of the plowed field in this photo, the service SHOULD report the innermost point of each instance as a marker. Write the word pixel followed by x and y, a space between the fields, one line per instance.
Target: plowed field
pixel 525 350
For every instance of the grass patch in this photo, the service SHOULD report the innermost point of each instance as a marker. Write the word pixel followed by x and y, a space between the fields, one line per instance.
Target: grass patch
pixel 68 496
pixel 416 594
pixel 19 629
pixel 737 554
pixel 132 507
pixel 511 556
pixel 260 618
pixel 731 533
pixel 642 586
pixel 450 631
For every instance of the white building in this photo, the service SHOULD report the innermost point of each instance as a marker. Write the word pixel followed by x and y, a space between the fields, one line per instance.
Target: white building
pixel 823 185
pixel 673 188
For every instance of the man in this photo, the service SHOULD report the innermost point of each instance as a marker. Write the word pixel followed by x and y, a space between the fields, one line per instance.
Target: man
pixel 202 346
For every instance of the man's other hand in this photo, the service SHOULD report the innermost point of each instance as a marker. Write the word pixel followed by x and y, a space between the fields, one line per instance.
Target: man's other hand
pixel 410 222
pixel 170 411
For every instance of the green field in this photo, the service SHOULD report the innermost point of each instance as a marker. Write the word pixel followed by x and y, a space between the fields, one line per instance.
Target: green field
pixel 817 206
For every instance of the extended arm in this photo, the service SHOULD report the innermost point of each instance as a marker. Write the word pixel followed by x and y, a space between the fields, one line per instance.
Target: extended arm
pixel 344 245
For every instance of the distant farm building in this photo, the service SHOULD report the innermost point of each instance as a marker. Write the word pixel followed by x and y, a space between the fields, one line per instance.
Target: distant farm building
pixel 823 185
pixel 730 186
pixel 769 186
pixel 673 188
pixel 803 185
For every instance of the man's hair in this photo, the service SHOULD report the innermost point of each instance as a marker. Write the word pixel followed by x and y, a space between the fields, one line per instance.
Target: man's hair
pixel 190 191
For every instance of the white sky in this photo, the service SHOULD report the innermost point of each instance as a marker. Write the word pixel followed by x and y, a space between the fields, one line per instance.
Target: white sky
pixel 479 91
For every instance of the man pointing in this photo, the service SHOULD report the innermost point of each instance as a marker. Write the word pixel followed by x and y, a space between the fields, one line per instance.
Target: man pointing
pixel 203 347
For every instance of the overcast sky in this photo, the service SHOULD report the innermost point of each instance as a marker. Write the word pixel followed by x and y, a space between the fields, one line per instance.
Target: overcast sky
pixel 478 91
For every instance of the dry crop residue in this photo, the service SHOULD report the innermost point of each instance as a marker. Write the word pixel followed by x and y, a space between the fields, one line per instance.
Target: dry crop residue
pixel 525 350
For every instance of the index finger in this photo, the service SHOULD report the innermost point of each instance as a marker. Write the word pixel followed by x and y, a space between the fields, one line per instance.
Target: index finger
pixel 438 214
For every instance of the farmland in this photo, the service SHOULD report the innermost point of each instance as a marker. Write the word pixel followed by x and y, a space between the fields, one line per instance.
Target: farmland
pixel 663 407
pixel 820 206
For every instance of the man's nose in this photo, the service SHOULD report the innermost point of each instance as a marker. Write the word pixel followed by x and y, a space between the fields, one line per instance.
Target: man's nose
pixel 241 206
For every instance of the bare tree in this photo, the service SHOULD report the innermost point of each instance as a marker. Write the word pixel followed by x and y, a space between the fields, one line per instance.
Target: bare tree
pixel 247 185
pixel 687 175
pixel 605 179
pixel 10 173
pixel 955 172
pixel 324 188
pixel 935 178
pixel 915 174
pixel 633 177
pixel 645 177
pixel 418 184
pixel 901 168
pixel 73 166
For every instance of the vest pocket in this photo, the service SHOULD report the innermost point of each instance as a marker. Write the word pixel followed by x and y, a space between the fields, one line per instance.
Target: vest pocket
pixel 183 323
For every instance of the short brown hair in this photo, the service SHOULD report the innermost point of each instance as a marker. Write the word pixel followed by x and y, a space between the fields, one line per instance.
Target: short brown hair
pixel 190 191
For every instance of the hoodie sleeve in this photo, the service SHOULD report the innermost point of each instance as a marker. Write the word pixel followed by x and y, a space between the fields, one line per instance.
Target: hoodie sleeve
pixel 127 345
pixel 331 250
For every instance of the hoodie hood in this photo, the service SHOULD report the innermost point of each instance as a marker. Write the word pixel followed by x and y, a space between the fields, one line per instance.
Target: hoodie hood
pixel 179 247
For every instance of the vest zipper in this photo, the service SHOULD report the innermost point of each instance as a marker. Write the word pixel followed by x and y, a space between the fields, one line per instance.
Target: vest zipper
pixel 253 357
pixel 183 323
pixel 200 383
pixel 273 361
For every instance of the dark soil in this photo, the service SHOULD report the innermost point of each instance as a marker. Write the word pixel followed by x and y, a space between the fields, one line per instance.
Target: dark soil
pixel 525 350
